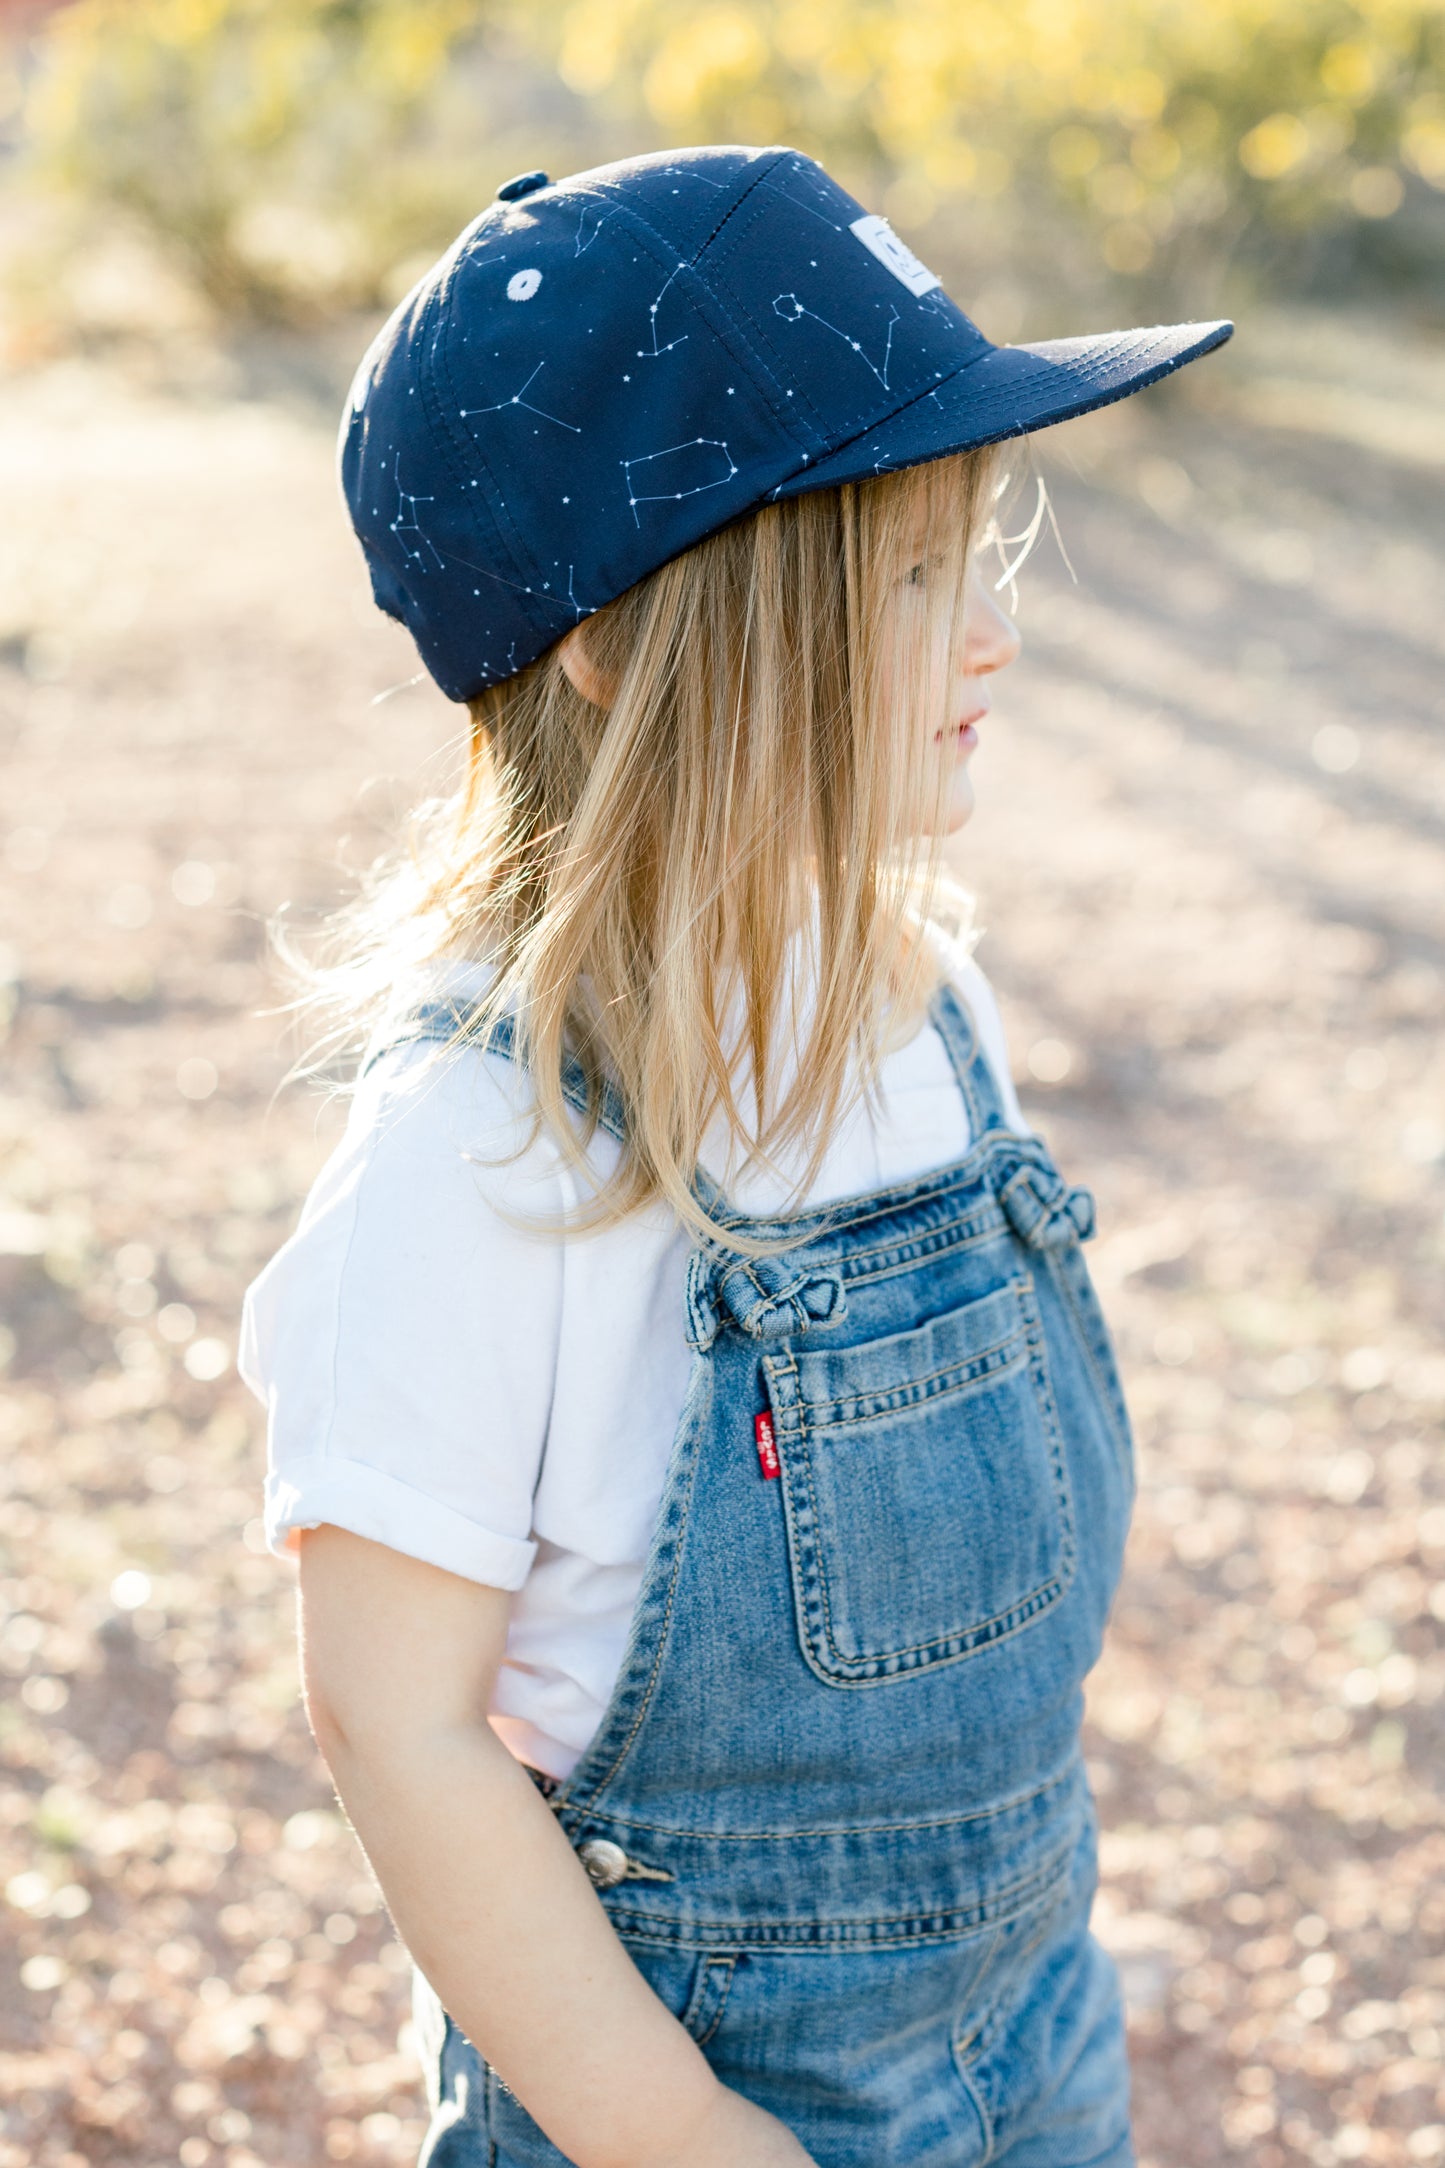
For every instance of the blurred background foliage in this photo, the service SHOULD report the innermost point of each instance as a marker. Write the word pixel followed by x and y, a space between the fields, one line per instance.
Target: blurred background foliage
pixel 298 159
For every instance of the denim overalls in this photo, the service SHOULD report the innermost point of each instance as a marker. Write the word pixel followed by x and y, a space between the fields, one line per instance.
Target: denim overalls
pixel 836 1808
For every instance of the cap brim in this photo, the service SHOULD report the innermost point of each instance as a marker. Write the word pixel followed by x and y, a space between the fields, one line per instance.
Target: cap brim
pixel 1007 392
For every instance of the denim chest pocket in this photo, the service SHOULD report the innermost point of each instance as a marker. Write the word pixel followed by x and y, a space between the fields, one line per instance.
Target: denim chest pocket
pixel 925 1489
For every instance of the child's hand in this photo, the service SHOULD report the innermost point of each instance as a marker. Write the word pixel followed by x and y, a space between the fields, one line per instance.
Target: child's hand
pixel 737 2134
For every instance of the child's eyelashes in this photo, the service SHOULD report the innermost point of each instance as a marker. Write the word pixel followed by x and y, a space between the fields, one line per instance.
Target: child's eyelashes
pixel 918 575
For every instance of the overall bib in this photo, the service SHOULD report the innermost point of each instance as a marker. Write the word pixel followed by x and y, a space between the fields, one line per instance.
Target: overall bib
pixel 836 1808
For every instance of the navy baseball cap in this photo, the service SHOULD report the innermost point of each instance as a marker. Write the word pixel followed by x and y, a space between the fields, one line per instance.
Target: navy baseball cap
pixel 602 370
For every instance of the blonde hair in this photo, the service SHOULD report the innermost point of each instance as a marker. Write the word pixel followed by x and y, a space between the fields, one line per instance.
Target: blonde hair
pixel 629 870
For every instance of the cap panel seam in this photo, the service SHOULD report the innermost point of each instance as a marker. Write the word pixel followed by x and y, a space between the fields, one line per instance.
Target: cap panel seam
pixel 760 332
pixel 640 218
pixel 720 319
pixel 733 208
pixel 760 336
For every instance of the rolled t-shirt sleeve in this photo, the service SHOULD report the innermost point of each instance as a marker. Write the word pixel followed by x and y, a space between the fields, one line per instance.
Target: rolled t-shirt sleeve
pixel 404 1340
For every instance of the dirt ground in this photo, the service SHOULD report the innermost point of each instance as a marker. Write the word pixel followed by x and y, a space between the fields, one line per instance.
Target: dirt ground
pixel 1210 859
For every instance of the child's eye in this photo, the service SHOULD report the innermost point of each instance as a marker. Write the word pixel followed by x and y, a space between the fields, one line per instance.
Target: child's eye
pixel 918 575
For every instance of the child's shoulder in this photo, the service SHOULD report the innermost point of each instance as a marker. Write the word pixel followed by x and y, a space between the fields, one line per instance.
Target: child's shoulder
pixel 418 1213
pixel 956 952
pixel 958 955
pixel 430 1091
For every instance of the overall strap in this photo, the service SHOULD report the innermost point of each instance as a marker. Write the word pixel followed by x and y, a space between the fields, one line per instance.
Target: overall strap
pixel 976 1080
pixel 442 1021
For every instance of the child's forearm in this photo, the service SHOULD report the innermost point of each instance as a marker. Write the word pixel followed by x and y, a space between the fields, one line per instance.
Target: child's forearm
pixel 499 1913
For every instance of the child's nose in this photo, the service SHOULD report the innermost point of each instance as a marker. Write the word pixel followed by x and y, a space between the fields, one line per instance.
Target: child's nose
pixel 992 640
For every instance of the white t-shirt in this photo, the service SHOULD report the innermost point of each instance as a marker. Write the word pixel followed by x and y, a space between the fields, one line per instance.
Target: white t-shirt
pixel 500 1404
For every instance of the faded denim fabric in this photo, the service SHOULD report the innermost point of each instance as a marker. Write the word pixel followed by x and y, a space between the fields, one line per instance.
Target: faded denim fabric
pixel 839 1780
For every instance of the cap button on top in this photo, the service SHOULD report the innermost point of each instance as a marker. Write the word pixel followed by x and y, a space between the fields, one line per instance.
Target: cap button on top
pixel 521 184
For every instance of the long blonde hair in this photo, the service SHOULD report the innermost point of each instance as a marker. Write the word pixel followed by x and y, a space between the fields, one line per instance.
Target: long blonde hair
pixel 629 870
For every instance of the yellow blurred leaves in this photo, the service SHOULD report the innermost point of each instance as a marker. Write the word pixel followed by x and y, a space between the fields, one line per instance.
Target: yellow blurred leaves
pixel 587 56
pixel 1349 71
pixel 1074 152
pixel 305 154
pixel 267 141
pixel 1156 153
pixel 1139 95
pixel 1120 106
pixel 1423 141
pixel 1275 146
pixel 715 50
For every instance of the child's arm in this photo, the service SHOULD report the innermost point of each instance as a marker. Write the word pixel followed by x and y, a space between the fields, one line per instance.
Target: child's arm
pixel 398 1659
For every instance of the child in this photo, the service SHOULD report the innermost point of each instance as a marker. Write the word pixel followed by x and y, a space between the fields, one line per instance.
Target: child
pixel 711 1462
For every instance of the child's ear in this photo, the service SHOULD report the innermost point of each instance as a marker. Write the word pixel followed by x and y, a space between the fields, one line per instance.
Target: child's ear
pixel 593 684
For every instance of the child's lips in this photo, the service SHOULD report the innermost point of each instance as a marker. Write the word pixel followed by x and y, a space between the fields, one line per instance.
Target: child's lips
pixel 964 729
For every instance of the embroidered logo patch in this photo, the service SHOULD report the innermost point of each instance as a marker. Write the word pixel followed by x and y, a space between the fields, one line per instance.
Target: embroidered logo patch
pixel 767 1448
pixel 881 241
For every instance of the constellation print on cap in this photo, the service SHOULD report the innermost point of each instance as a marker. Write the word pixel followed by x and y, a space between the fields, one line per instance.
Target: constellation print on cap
pixel 659 351
pixel 794 314
pixel 580 247
pixel 542 594
pixel 406 523
pixel 517 400
pixel 689 458
pixel 686 173
pixel 809 176
pixel 582 609
pixel 502 537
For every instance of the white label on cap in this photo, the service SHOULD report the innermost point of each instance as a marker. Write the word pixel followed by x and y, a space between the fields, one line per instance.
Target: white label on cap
pixel 879 238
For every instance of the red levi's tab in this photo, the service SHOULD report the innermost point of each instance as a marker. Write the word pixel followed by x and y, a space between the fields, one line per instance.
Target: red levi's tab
pixel 767 1449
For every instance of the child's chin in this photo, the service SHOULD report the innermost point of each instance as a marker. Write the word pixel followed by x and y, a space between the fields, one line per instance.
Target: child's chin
pixel 960 805
pixel 957 808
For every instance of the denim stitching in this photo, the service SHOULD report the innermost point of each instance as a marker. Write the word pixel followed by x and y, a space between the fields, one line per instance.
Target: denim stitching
pixel 866 1407
pixel 985 1226
pixel 969 1173
pixel 969 2048
pixel 566 1804
pixel 490 2082
pixel 1109 1388
pixel 982 1369
pixel 910 1926
pixel 852 1829
pixel 706 1987
pixel 959 1642
pixel 965 2079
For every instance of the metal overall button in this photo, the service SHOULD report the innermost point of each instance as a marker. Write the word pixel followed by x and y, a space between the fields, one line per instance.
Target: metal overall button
pixel 605 1862
pixel 1044 1210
